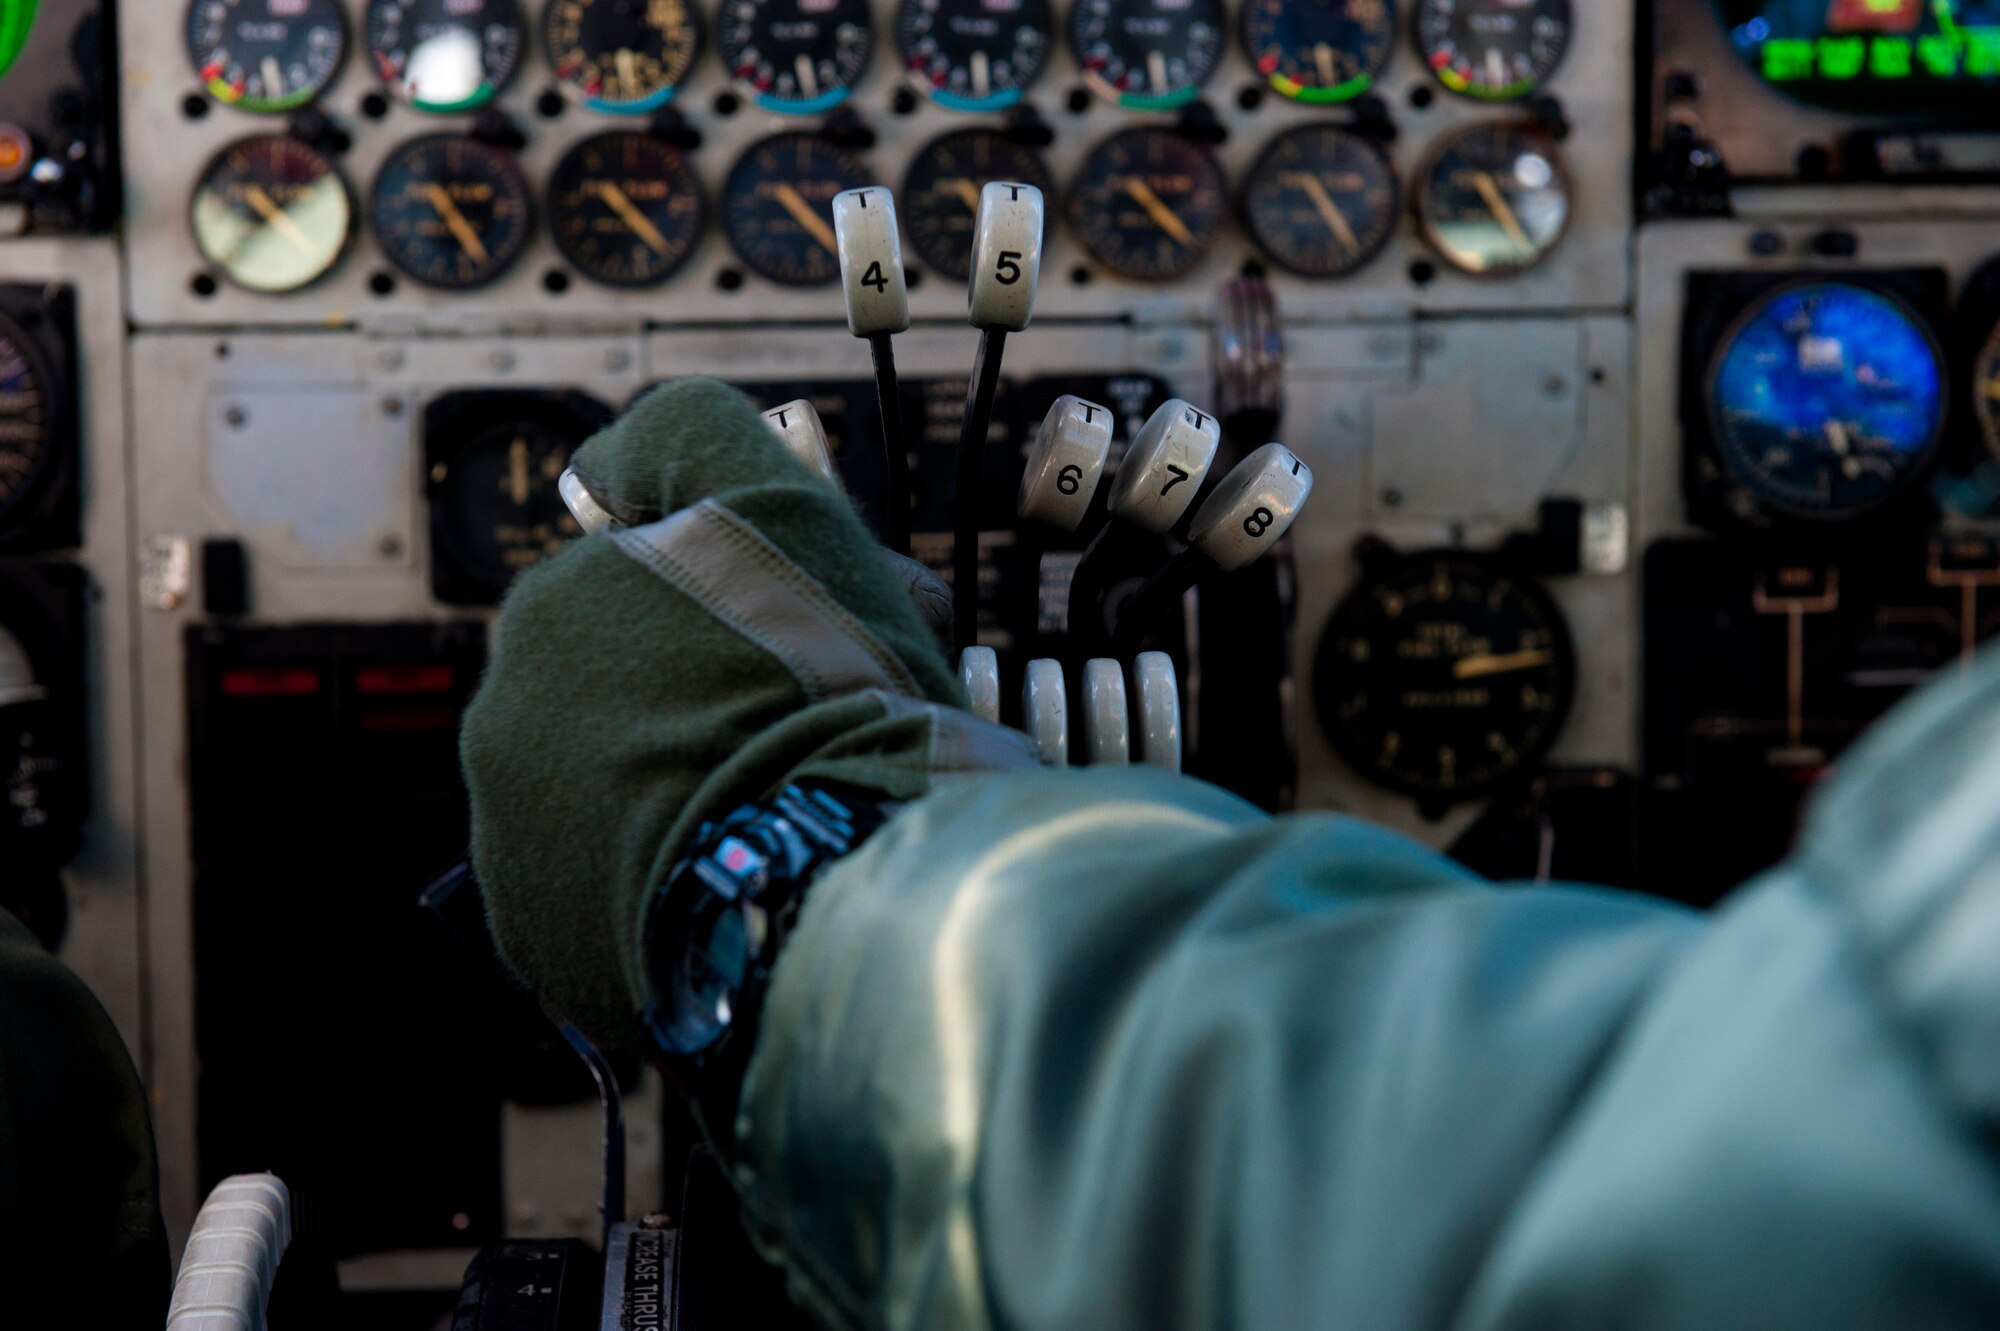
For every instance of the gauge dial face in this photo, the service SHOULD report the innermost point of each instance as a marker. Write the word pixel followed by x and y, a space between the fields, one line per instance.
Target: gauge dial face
pixel 27 415
pixel 800 57
pixel 621 56
pixel 1494 50
pixel 272 213
pixel 445 55
pixel 626 208
pixel 1443 674
pixel 1148 204
pixel 777 207
pixel 940 195
pixel 1319 51
pixel 1826 400
pixel 1149 55
pixel 266 55
pixel 451 211
pixel 975 55
pixel 1495 199
pixel 1322 201
pixel 498 499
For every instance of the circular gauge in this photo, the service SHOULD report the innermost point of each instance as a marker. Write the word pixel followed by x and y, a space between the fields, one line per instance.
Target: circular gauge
pixel 445 55
pixel 626 208
pixel 1443 674
pixel 497 506
pixel 1319 51
pixel 1322 200
pixel 450 210
pixel 266 55
pixel 28 412
pixel 272 213
pixel 624 56
pixel 1826 399
pixel 940 195
pixel 1494 199
pixel 777 207
pixel 1986 389
pixel 1494 50
pixel 800 57
pixel 975 55
pixel 1148 204
pixel 1148 55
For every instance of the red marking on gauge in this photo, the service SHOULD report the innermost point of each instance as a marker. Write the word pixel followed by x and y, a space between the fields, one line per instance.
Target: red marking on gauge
pixel 1266 64
pixel 1439 59
pixel 211 71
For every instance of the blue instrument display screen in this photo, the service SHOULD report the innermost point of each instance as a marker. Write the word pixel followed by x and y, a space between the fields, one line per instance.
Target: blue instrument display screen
pixel 1826 399
pixel 1935 60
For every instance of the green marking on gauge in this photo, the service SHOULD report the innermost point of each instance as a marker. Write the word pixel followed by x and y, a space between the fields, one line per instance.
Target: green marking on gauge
pixel 16 18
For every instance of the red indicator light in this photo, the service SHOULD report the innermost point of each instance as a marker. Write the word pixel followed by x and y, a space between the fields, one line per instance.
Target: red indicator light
pixel 404 679
pixel 273 682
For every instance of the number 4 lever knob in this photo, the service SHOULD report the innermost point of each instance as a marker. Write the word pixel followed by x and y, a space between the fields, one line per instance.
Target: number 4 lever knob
pixel 878 306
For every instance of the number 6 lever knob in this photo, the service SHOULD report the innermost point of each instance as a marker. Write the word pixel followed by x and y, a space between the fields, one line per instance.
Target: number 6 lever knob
pixel 1066 463
pixel 878 306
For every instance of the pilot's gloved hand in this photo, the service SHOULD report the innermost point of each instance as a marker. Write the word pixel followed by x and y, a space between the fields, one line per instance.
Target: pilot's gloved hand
pixel 740 631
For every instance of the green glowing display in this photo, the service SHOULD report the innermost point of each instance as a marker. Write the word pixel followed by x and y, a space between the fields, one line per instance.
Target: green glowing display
pixel 1934 60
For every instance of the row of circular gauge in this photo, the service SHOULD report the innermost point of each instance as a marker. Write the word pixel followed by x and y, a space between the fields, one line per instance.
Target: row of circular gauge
pixel 273 213
pixel 805 56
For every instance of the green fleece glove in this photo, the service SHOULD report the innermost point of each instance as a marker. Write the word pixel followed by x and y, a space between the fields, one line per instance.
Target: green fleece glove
pixel 739 631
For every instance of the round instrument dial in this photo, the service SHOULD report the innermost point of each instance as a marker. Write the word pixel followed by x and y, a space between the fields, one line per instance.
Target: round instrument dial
pixel 800 57
pixel 621 56
pixel 1826 400
pixel 28 411
pixel 1148 204
pixel 269 56
pixel 777 207
pixel 498 506
pixel 1319 51
pixel 1986 389
pixel 940 194
pixel 1148 55
pixel 1494 50
pixel 272 213
pixel 626 208
pixel 975 55
pixel 445 55
pixel 1443 674
pixel 1494 199
pixel 1321 200
pixel 451 211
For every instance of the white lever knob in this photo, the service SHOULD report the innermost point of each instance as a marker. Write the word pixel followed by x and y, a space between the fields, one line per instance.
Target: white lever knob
pixel 1107 722
pixel 1165 467
pixel 798 426
pixel 871 261
pixel 590 515
pixel 1045 710
pixel 1253 506
pixel 979 673
pixel 1006 256
pixel 1066 463
pixel 1156 691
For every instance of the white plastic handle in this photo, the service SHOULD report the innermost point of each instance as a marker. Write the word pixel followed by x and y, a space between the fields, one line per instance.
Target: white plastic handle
pixel 232 1256
pixel 1165 466
pixel 1254 506
pixel 1066 463
pixel 798 425
pixel 590 515
pixel 1006 256
pixel 1045 710
pixel 1107 721
pixel 1156 691
pixel 979 673
pixel 871 261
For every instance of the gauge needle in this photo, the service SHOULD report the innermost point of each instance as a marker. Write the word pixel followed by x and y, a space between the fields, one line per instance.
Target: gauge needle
pixel 517 470
pixel 1322 202
pixel 1478 667
pixel 1323 57
pixel 278 219
pixel 808 80
pixel 1497 204
pixel 1836 435
pixel 274 78
pixel 802 213
pixel 628 70
pixel 1156 70
pixel 982 75
pixel 969 192
pixel 1162 216
pixel 454 222
pixel 642 226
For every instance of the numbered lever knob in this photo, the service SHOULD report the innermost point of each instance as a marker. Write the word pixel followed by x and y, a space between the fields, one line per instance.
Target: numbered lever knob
pixel 1066 463
pixel 1165 467
pixel 590 515
pixel 798 427
pixel 1252 509
pixel 1045 711
pixel 1006 256
pixel 1107 720
pixel 871 261
pixel 1156 693
pixel 979 675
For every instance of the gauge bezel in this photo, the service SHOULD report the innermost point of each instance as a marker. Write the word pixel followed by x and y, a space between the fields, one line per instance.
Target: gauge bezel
pixel 1491 566
pixel 524 40
pixel 55 415
pixel 553 216
pixel 1042 178
pixel 1781 511
pixel 1423 184
pixel 1310 96
pixel 691 16
pixel 340 254
pixel 1472 92
pixel 265 106
pixel 524 188
pixel 1392 214
pixel 1075 192
pixel 728 193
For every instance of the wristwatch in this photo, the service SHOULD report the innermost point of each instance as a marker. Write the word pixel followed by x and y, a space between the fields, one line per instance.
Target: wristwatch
pixel 719 921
